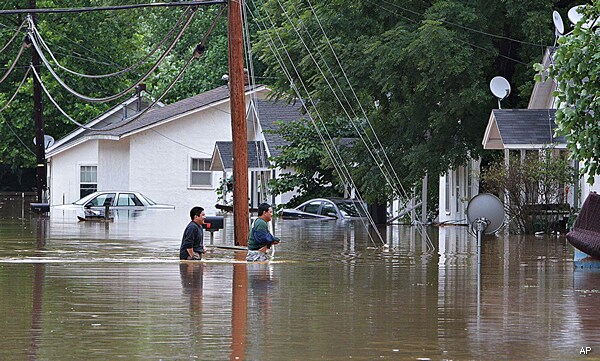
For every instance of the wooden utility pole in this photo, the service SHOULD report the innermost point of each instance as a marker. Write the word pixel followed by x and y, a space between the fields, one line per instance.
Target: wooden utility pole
pixel 38 109
pixel 241 222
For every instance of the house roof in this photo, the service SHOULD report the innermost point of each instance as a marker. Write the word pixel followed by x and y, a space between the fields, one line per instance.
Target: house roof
pixel 222 158
pixel 269 113
pixel 521 129
pixel 153 117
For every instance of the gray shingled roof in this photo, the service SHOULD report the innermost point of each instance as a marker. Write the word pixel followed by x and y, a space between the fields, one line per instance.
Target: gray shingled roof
pixel 527 126
pixel 254 149
pixel 159 114
pixel 271 111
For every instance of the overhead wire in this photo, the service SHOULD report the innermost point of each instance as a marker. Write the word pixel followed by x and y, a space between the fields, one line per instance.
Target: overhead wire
pixel 7 121
pixel 14 63
pixel 400 191
pixel 336 158
pixel 110 8
pixel 32 34
pixel 458 25
pixel 17 32
pixel 369 145
pixel 454 37
pixel 122 71
pixel 198 52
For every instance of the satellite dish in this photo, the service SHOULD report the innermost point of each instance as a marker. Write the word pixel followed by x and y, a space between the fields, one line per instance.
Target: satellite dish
pixel 574 15
pixel 500 87
pixel 486 206
pixel 558 23
pixel 48 141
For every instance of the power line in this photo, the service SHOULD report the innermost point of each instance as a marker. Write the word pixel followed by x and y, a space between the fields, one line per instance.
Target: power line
pixel 110 8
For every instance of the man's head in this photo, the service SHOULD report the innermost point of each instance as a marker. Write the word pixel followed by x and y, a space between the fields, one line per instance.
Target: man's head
pixel 197 215
pixel 265 212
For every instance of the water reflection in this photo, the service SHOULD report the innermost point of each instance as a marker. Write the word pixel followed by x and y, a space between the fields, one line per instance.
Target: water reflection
pixel 104 291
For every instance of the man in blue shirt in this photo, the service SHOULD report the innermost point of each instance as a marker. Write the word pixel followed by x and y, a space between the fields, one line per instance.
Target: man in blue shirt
pixel 192 243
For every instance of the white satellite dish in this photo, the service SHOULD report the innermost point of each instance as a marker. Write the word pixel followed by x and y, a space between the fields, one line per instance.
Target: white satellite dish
pixel 500 88
pixel 558 23
pixel 48 141
pixel 574 15
pixel 487 208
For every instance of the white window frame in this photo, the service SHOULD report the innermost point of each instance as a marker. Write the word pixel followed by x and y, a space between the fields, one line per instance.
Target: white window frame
pixel 86 182
pixel 207 162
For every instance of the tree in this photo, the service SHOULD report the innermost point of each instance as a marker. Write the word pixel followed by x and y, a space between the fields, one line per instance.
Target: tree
pixel 535 185
pixel 576 69
pixel 419 70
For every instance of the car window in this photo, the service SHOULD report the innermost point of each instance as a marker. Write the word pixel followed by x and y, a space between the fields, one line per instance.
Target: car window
pixel 328 209
pixel 351 209
pixel 312 207
pixel 101 199
pixel 128 199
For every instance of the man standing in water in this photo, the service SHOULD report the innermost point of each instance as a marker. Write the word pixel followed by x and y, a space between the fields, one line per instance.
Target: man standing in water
pixel 260 239
pixel 192 243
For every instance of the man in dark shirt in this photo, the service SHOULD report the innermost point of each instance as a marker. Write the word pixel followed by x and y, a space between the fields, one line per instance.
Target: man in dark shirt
pixel 192 243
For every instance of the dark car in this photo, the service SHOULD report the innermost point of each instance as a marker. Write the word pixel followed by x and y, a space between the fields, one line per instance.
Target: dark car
pixel 327 208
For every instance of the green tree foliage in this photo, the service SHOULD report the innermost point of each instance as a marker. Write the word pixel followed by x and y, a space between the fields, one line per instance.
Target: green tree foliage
pixel 576 69
pixel 420 71
pixel 314 174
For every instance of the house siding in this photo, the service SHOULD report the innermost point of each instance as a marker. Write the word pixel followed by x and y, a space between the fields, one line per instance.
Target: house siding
pixel 113 165
pixel 64 180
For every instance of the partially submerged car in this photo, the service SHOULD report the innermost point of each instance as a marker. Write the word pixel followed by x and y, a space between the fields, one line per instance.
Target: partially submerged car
pixel 119 200
pixel 327 208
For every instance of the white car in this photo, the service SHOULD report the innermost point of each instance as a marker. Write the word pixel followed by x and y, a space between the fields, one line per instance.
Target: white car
pixel 119 200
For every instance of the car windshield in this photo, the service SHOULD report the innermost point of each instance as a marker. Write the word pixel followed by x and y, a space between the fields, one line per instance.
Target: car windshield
pixel 351 209
pixel 86 199
pixel 150 201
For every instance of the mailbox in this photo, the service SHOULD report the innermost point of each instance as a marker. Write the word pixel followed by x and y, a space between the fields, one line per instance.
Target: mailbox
pixel 213 223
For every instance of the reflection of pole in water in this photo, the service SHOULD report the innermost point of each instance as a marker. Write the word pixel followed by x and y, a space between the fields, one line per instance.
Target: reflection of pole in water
pixel 239 307
pixel 37 290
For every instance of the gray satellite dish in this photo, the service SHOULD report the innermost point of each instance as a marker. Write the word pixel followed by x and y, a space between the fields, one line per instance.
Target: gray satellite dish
pixel 488 209
pixel 48 141
pixel 558 23
pixel 500 87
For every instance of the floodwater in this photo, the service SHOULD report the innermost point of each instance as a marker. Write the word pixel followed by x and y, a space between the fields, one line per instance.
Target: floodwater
pixel 92 291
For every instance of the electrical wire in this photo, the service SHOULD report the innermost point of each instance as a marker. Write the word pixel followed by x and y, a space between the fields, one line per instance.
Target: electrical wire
pixel 12 65
pixel 334 155
pixel 17 32
pixel 32 33
pixel 107 8
pixel 127 69
pixel 457 25
pixel 7 121
pixel 197 53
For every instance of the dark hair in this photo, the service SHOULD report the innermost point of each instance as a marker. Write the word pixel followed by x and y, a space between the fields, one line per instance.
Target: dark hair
pixel 196 211
pixel 262 208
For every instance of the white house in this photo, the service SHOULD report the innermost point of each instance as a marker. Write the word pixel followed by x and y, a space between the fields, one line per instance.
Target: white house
pixel 510 130
pixel 532 129
pixel 166 154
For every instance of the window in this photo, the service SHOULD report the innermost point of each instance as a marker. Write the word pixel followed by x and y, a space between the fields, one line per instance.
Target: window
pixel 312 207
pixel 88 180
pixel 128 199
pixel 328 209
pixel 201 176
pixel 102 200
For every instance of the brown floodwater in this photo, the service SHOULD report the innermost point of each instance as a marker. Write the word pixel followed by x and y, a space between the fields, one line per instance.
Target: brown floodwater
pixel 92 291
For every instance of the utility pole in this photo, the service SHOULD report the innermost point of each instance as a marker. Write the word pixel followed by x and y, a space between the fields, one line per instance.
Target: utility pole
pixel 241 222
pixel 38 109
